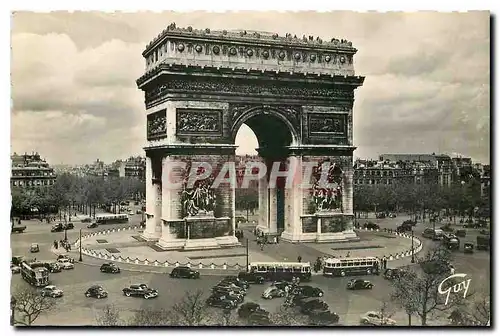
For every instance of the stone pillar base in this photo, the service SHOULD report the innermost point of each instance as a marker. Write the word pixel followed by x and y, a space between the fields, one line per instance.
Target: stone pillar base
pixel 337 237
pixel 198 244
pixel 150 236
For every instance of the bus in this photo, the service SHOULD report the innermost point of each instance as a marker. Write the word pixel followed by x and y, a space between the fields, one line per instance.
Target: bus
pixel 351 266
pixel 275 271
pixel 111 219
pixel 36 276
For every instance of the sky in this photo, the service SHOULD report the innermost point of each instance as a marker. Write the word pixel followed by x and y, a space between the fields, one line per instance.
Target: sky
pixel 427 86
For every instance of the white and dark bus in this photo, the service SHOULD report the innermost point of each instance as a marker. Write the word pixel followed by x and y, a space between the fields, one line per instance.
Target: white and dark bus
pixel 111 219
pixel 351 266
pixel 36 276
pixel 276 271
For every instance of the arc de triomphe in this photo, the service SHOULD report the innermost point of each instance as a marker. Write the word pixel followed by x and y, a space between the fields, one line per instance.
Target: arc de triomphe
pixel 296 94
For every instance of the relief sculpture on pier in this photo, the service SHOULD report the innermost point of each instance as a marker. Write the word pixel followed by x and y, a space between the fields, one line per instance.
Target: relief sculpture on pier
pixel 157 125
pixel 193 121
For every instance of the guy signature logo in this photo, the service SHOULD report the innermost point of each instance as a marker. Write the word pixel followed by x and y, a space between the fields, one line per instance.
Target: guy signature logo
pixel 457 287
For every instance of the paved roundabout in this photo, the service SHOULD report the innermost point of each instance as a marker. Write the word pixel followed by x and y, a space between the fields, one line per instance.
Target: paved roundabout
pixel 75 309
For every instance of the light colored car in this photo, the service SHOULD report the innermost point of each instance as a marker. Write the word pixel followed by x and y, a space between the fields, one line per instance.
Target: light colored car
pixel 272 292
pixel 15 269
pixel 34 248
pixel 376 319
pixel 52 291
pixel 131 213
pixel 65 264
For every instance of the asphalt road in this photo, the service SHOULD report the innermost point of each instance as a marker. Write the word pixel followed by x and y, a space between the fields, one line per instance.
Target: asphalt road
pixel 75 309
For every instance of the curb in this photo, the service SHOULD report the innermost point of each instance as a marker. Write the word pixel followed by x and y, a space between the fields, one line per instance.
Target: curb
pixel 202 267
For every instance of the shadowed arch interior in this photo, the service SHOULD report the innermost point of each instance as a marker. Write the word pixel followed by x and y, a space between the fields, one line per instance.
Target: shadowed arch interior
pixel 271 132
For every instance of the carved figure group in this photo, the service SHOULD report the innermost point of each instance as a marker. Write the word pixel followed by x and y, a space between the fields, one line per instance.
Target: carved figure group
pixel 200 198
pixel 328 198
pixel 198 122
pixel 157 125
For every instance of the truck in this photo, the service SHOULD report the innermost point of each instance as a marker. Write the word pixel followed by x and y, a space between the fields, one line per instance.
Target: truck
pixel 483 243
pixel 35 274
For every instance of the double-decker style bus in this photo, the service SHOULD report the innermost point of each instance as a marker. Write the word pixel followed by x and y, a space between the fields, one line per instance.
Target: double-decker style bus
pixel 111 219
pixel 275 271
pixel 351 266
pixel 35 274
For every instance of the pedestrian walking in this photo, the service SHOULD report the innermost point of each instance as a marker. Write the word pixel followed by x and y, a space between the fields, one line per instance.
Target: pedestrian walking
pixel 299 258
pixel 261 246
pixel 348 254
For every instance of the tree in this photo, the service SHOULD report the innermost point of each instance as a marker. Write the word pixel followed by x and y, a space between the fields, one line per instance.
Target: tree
pixel 247 199
pixel 30 305
pixel 416 289
pixel 149 317
pixel 190 311
pixel 109 316
pixel 287 316
pixel 476 314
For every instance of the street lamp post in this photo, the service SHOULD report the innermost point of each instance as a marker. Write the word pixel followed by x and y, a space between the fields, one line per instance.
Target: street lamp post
pixel 13 303
pixel 412 250
pixel 247 255
pixel 80 242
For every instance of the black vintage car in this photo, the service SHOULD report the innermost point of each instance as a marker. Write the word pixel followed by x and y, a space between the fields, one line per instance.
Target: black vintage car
pixel 57 228
pixel 359 284
pixel 97 292
pixel 184 272
pixel 307 306
pixel 68 226
pixel 260 317
pixel 404 228
pixel 283 285
pixel 229 287
pixel 468 248
pixel 320 317
pixel 92 225
pixel 371 226
pixel 109 268
pixel 247 309
pixel 141 290
pixel 461 233
pixel 237 281
pixel 308 291
pixel 251 278
pixel 392 273
pixel 221 301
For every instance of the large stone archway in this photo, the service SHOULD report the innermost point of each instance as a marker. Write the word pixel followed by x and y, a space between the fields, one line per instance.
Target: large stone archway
pixel 297 95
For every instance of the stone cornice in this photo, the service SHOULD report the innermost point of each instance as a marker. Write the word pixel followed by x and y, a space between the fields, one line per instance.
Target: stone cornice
pixel 249 37
pixel 244 73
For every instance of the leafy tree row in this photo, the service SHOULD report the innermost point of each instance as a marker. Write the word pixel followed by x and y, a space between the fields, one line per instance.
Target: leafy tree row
pixel 457 199
pixel 79 193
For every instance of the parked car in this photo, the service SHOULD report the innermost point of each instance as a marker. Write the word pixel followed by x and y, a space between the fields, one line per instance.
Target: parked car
pixel 434 234
pixel 282 285
pixel 65 256
pixel 376 319
pixel 272 292
pixel 92 225
pixel 410 222
pixel 18 228
pixel 109 268
pixel 485 232
pixel 131 213
pixel 323 318
pixel 468 248
pixel 141 290
pixel 54 267
pixel 52 291
pixel 34 248
pixel 184 272
pixel 359 284
pixel 230 288
pixel 138 212
pixel 237 297
pixel 65 264
pixel 97 292
pixel 371 226
pixel 392 215
pixel 237 281
pixel 14 269
pixel 391 273
pixel 251 278
pixel 86 220
pixel 247 309
pixel 68 226
pixel 260 317
pixel 404 228
pixel 461 233
pixel 307 306
pixel 308 291
pixel 221 301
pixel 57 228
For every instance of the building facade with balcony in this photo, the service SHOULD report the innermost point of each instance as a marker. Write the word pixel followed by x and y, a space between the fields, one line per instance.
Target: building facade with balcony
pixel 30 171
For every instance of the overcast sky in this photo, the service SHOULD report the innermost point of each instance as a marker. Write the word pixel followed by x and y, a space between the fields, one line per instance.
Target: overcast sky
pixel 426 88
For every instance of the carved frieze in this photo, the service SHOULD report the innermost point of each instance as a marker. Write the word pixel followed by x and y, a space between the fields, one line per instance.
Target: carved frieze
pixel 332 124
pixel 290 112
pixel 327 197
pixel 157 125
pixel 199 122
pixel 221 87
